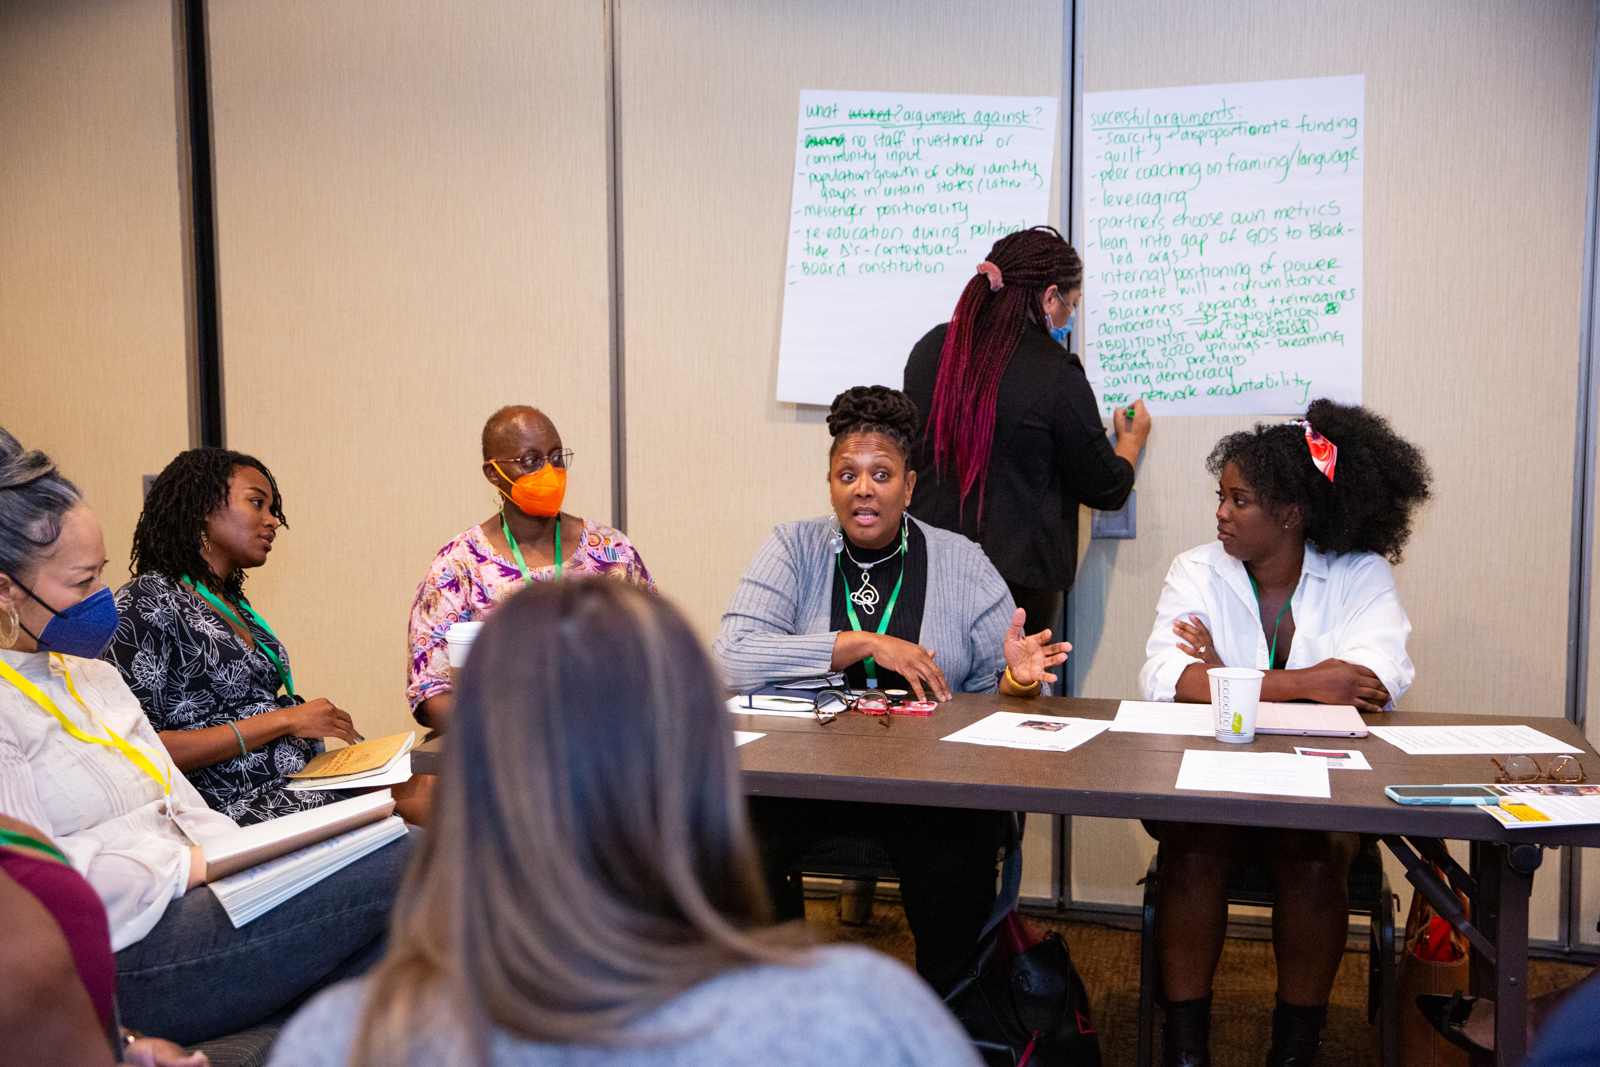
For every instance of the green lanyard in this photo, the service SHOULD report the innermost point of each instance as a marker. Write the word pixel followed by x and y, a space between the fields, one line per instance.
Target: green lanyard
pixel 16 840
pixel 517 551
pixel 1272 657
pixel 228 613
pixel 850 606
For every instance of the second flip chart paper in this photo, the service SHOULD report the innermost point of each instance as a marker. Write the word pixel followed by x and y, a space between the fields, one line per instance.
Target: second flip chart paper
pixel 897 198
pixel 1222 246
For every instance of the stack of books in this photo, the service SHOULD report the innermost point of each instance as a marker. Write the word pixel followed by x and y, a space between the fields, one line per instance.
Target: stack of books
pixel 253 869
pixel 380 762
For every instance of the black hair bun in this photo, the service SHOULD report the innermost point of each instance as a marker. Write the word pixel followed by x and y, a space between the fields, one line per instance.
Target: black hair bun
pixel 870 406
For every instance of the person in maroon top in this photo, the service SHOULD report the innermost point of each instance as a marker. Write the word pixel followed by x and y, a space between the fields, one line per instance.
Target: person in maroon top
pixel 57 974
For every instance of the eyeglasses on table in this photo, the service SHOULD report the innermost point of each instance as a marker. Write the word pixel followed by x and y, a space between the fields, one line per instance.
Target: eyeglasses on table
pixel 829 704
pixel 1523 769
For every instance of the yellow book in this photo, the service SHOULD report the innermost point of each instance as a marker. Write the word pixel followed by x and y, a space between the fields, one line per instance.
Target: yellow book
pixel 364 758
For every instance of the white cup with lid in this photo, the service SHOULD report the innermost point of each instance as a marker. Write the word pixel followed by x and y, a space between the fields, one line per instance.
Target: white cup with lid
pixel 458 641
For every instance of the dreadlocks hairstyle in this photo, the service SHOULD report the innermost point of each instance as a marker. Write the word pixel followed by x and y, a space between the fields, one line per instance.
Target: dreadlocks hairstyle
pixel 873 409
pixel 167 539
pixel 1378 482
pixel 983 333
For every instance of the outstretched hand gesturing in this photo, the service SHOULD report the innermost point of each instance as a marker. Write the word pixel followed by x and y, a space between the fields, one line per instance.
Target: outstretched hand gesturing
pixel 1029 656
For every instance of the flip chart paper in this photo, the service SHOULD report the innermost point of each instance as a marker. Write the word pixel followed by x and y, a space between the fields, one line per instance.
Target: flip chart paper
pixel 1470 740
pixel 1275 773
pixel 1048 733
pixel 1222 246
pixel 897 199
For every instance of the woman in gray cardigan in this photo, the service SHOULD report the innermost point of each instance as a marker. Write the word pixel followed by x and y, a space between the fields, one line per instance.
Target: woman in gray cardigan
pixel 893 604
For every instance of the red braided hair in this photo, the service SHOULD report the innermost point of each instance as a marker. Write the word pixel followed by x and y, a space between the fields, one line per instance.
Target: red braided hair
pixel 983 333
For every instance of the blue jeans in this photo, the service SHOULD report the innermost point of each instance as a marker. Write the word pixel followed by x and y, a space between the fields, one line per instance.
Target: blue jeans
pixel 194 977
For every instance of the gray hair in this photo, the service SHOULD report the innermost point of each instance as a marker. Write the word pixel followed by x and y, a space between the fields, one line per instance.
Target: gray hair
pixel 33 498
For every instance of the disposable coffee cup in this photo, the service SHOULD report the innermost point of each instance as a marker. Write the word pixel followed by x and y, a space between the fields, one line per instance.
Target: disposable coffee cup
pixel 1235 697
pixel 458 640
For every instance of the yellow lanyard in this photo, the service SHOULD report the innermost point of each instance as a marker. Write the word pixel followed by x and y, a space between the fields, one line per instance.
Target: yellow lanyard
pixel 134 753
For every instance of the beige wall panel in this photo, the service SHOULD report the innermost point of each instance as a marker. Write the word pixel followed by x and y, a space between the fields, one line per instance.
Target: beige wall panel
pixel 411 209
pixel 1589 896
pixel 709 93
pixel 1475 181
pixel 92 334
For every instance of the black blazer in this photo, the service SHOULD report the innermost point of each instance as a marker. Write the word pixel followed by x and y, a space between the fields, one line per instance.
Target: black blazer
pixel 1050 455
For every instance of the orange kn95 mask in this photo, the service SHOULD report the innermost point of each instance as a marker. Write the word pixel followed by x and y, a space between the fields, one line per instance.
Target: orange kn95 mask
pixel 539 493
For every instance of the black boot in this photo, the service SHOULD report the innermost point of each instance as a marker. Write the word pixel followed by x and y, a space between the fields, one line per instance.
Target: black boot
pixel 1296 1033
pixel 1186 1038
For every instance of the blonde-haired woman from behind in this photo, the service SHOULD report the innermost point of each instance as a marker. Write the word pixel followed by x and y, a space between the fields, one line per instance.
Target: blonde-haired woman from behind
pixel 589 891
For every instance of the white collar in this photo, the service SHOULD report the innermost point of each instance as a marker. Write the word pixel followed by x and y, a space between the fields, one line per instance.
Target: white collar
pixel 1315 565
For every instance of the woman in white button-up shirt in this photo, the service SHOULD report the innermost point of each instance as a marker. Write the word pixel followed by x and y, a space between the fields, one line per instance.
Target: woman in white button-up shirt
pixel 1298 584
pixel 79 760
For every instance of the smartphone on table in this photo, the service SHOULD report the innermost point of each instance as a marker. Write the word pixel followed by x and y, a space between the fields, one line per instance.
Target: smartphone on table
pixel 1442 794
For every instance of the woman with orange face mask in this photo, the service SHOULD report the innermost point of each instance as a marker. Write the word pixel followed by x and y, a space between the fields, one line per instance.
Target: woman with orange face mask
pixel 529 539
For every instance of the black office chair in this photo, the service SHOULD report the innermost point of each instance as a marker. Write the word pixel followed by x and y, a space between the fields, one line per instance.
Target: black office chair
pixel 860 861
pixel 1370 895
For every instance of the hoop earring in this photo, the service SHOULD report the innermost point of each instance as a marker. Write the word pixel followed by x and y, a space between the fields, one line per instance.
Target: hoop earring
pixel 8 638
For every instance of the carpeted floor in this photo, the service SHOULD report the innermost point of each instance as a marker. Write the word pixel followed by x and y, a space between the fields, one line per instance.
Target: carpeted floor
pixel 1108 960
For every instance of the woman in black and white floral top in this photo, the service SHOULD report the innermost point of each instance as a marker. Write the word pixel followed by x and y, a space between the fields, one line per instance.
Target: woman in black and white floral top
pixel 212 677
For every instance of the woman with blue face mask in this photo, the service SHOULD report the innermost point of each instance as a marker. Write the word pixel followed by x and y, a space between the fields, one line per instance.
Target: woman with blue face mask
pixel 1010 441
pixel 80 761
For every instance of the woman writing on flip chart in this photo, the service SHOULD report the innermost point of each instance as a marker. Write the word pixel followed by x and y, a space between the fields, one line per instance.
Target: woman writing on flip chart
pixel 528 539
pixel 1298 584
pixel 1010 442
pixel 209 671
pixel 893 604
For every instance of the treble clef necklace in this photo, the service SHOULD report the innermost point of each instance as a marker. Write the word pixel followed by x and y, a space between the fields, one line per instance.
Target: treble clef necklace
pixel 867 596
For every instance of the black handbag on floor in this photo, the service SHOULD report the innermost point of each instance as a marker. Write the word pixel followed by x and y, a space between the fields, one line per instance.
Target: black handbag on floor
pixel 1022 1001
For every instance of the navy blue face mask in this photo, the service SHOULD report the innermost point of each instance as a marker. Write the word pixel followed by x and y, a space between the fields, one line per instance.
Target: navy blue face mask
pixel 83 630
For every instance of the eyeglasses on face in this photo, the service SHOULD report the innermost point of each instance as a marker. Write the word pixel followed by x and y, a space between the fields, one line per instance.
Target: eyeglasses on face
pixel 1521 769
pixel 828 704
pixel 529 462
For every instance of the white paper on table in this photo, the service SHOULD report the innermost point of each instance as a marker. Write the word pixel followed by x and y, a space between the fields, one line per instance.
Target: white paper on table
pixel 398 773
pixel 784 707
pixel 1282 774
pixel 744 737
pixel 897 198
pixel 1163 717
pixel 1583 810
pixel 1339 759
pixel 1223 238
pixel 1469 740
pixel 1045 733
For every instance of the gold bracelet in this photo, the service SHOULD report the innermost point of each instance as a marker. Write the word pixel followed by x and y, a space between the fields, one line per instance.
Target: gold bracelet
pixel 1037 682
